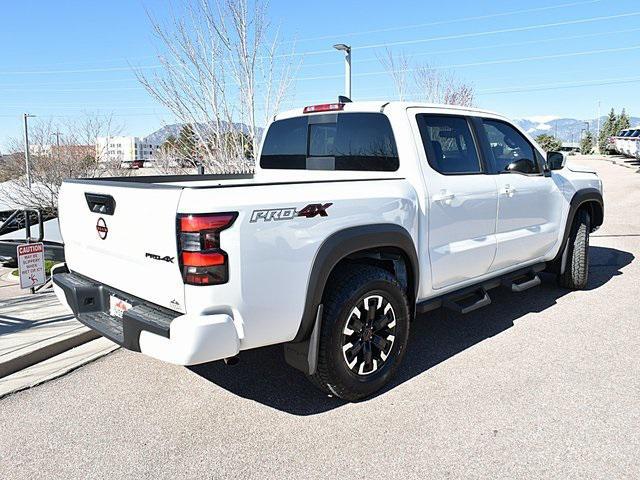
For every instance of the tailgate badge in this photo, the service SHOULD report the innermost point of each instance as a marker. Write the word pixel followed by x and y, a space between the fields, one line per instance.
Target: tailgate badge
pixel 166 258
pixel 102 229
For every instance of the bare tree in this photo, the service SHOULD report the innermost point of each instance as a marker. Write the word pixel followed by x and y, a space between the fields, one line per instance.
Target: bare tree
pixel 426 83
pixel 222 65
pixel 52 162
pixel 398 67
pixel 435 86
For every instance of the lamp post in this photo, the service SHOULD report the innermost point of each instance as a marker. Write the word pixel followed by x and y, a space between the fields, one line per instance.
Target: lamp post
pixel 347 67
pixel 26 150
pixel 57 135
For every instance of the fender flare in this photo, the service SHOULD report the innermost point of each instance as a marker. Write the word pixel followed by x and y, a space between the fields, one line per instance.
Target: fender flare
pixel 343 243
pixel 579 198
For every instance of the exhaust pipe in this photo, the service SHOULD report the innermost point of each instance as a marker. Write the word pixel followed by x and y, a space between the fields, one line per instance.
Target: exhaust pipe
pixel 230 361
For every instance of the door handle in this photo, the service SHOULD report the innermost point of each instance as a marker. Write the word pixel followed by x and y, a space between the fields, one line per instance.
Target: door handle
pixel 444 197
pixel 508 190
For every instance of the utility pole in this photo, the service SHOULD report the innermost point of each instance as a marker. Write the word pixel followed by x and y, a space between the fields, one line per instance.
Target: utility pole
pixel 598 131
pixel 26 149
pixel 57 134
pixel 347 67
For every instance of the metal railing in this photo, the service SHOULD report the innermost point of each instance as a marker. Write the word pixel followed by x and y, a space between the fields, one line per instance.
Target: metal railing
pixel 27 223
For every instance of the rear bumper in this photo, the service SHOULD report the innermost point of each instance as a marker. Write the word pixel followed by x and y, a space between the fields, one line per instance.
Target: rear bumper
pixel 148 328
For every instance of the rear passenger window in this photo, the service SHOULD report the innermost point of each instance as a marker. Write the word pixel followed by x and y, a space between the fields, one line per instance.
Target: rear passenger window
pixel 448 143
pixel 508 146
pixel 336 141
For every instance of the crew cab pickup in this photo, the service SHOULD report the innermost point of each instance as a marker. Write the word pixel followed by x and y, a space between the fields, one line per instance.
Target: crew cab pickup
pixel 359 217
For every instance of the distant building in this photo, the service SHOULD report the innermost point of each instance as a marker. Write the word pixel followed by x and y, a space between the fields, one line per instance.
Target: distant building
pixel 125 149
pixel 63 151
pixel 73 151
pixel 122 149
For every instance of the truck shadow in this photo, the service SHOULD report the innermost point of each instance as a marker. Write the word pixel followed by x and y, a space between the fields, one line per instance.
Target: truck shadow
pixel 263 376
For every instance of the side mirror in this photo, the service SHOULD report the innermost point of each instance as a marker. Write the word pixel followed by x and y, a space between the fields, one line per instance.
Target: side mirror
pixel 555 160
pixel 524 165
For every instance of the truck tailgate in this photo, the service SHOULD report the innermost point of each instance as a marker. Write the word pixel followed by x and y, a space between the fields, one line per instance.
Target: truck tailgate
pixel 128 241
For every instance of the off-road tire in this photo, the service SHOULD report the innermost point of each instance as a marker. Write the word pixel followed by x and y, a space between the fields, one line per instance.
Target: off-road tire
pixel 351 286
pixel 576 271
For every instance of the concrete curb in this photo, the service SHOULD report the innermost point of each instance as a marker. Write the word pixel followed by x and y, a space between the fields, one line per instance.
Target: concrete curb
pixel 9 278
pixel 56 366
pixel 46 349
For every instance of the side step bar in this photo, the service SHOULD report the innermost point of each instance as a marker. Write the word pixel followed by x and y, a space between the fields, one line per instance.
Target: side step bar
pixel 467 302
pixel 474 297
pixel 523 282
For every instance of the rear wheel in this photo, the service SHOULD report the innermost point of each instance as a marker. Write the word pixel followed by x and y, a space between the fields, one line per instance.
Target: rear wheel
pixel 364 332
pixel 576 271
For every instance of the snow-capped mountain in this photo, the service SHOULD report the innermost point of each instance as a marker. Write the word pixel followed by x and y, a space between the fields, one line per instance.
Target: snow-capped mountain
pixel 165 132
pixel 566 129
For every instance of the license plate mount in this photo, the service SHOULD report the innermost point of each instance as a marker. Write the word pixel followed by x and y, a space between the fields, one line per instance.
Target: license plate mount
pixel 117 306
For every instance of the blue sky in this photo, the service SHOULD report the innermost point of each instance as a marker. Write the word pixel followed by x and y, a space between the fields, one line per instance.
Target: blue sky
pixel 525 59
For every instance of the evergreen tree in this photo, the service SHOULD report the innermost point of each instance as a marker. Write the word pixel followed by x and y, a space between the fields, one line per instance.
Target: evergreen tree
pixel 549 143
pixel 623 121
pixel 607 130
pixel 169 144
pixel 187 143
pixel 586 144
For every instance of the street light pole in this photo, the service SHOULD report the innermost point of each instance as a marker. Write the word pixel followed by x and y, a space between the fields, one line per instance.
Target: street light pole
pixel 57 135
pixel 347 67
pixel 26 150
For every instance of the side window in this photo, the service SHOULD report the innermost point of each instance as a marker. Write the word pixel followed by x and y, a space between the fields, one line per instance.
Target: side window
pixel 507 146
pixel 365 141
pixel 449 144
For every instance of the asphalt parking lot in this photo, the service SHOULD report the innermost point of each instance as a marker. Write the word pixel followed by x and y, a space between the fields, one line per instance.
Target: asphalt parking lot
pixel 542 384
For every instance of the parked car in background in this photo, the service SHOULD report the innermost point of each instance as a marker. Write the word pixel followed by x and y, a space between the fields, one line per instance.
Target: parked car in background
pixel 610 146
pixel 627 142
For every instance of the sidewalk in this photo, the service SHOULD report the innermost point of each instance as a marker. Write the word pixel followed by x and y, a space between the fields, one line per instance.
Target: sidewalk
pixel 9 284
pixel 40 339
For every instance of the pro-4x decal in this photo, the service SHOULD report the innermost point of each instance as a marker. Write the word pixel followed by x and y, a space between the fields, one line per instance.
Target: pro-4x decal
pixel 276 214
pixel 314 209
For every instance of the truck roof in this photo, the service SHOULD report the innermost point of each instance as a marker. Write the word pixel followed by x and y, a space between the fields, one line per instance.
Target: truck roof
pixel 378 105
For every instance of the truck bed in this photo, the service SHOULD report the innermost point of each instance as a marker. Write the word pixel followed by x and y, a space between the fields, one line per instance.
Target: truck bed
pixel 274 177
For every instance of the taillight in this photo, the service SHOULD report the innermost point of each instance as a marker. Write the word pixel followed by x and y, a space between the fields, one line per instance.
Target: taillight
pixel 202 259
pixel 325 107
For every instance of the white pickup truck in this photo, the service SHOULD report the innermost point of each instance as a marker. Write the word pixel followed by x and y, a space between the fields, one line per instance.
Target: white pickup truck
pixel 359 216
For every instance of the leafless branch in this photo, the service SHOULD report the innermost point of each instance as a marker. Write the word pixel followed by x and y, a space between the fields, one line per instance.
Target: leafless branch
pixel 223 75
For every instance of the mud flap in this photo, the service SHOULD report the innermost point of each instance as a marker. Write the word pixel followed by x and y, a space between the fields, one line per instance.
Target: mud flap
pixel 303 355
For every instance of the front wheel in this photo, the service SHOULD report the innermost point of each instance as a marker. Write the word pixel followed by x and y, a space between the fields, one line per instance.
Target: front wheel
pixel 576 271
pixel 364 332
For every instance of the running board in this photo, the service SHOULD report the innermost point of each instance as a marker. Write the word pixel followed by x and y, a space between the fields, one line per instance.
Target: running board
pixel 473 297
pixel 523 282
pixel 467 302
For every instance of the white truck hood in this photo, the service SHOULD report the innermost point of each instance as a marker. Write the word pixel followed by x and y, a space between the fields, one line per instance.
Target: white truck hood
pixel 580 168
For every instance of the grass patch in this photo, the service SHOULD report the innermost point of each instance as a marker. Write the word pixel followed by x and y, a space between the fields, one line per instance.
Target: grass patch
pixel 47 268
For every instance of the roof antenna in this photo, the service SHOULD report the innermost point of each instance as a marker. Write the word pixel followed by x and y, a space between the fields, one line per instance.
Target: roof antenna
pixel 343 99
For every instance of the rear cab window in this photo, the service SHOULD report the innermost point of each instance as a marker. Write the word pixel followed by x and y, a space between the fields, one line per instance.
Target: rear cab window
pixel 333 141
